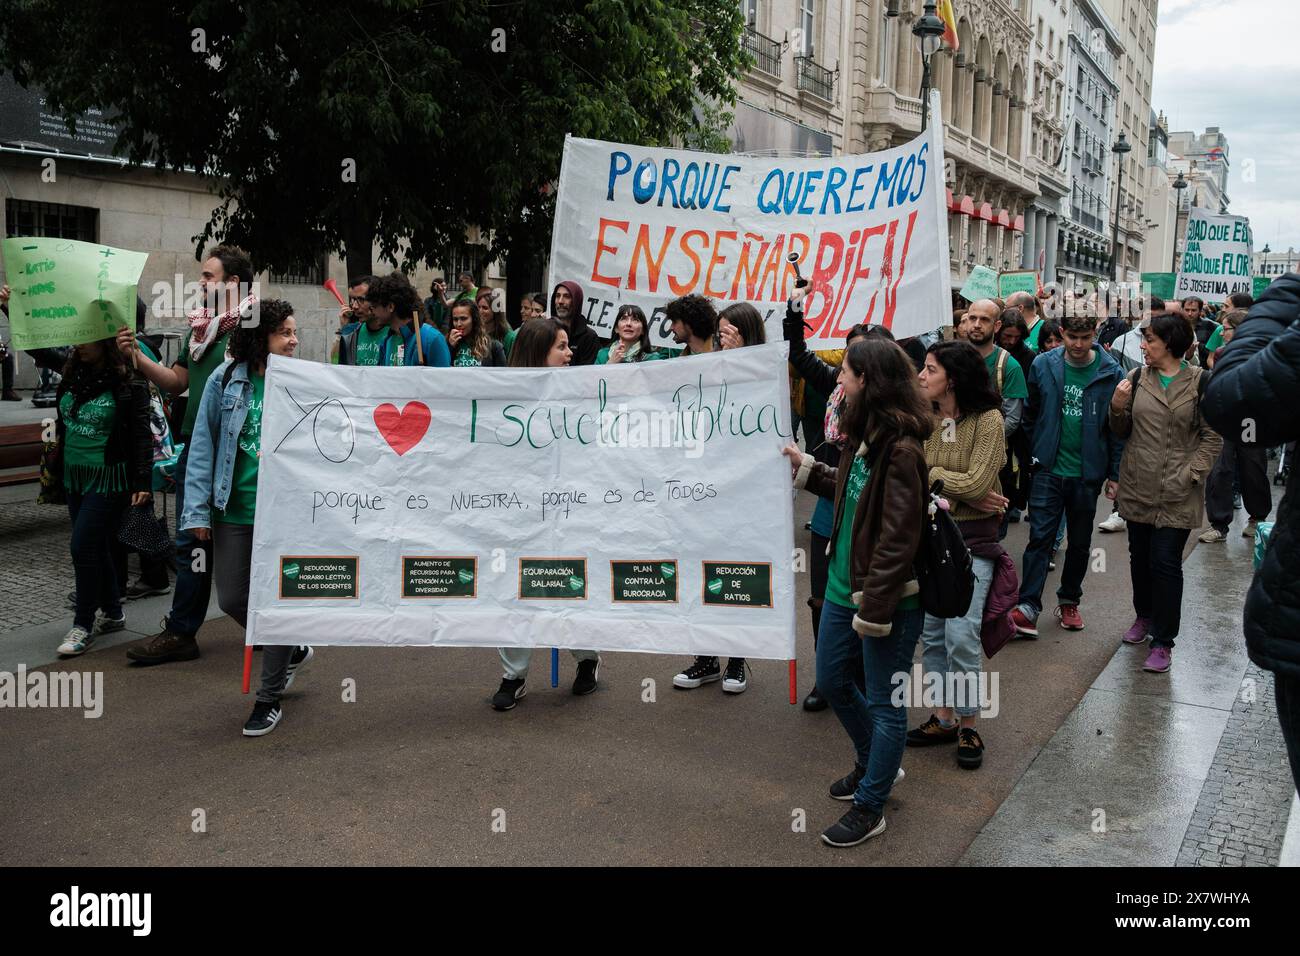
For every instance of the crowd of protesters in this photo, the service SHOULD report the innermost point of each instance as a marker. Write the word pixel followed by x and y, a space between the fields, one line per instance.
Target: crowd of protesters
pixel 1015 411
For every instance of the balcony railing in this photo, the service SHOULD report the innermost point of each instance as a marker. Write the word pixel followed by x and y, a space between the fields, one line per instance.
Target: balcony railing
pixel 765 50
pixel 815 78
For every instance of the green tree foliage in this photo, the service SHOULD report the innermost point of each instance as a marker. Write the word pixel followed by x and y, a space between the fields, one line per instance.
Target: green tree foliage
pixel 454 112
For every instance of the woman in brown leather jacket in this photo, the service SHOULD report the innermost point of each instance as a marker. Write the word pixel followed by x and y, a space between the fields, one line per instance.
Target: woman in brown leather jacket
pixel 871 607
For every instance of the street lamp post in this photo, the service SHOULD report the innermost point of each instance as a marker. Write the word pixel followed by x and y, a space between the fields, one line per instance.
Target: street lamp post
pixel 1179 185
pixel 1263 265
pixel 1121 148
pixel 928 30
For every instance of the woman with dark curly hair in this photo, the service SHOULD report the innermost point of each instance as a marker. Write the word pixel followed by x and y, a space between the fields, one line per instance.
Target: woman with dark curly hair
pixel 104 451
pixel 221 485
pixel 965 451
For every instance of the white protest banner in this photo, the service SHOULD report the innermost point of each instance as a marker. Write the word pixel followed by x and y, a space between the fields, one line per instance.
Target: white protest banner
pixel 643 225
pixel 637 507
pixel 1216 257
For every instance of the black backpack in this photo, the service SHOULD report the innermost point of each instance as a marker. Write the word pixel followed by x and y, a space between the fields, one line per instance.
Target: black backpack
pixel 944 568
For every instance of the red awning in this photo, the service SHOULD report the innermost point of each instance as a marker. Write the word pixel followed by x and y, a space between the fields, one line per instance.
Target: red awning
pixel 951 204
pixel 1019 224
pixel 1004 218
pixel 986 212
pixel 967 206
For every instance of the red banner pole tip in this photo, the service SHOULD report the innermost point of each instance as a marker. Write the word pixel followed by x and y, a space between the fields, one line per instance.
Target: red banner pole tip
pixel 248 665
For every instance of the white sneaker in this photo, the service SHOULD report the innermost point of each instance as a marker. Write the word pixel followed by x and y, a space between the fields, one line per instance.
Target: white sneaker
pixel 1113 523
pixel 77 642
pixel 1213 536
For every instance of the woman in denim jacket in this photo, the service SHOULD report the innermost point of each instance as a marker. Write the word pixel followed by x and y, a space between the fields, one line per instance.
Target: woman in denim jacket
pixel 221 486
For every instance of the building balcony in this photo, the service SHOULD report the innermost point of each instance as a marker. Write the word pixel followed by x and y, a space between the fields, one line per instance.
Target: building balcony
pixel 765 51
pixel 885 106
pixel 814 78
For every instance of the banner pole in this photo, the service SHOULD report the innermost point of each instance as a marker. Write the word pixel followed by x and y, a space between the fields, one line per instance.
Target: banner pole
pixel 248 665
pixel 794 682
pixel 555 667
pixel 419 349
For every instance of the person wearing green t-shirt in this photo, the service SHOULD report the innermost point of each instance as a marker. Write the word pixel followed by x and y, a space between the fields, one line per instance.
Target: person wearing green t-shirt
pixel 104 456
pixel 221 487
pixel 226 280
pixel 1076 451
pixel 1031 310
pixel 871 618
pixel 631 339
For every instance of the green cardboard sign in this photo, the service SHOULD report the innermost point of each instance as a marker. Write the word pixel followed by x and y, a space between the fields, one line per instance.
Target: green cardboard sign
pixel 425 576
pixel 981 284
pixel 737 584
pixel 1259 284
pixel 65 292
pixel 643 582
pixel 1019 280
pixel 553 579
pixel 329 577
pixel 1161 284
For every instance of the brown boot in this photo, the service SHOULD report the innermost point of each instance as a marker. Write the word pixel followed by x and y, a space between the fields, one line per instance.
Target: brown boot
pixel 163 647
pixel 11 396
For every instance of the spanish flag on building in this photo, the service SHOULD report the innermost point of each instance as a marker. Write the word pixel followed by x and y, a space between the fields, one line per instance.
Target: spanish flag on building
pixel 950 24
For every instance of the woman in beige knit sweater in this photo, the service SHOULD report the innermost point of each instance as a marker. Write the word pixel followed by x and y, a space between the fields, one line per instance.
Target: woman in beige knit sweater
pixel 965 451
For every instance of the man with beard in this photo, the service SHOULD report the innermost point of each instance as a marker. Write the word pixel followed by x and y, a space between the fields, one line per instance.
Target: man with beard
pixel 566 308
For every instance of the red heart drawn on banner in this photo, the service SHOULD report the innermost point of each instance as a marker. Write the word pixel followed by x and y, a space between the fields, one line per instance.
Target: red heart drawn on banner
pixel 402 430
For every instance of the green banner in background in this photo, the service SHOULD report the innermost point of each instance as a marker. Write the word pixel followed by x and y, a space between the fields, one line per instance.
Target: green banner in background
pixel 1019 280
pixel 1161 283
pixel 982 283
pixel 1260 284
pixel 65 292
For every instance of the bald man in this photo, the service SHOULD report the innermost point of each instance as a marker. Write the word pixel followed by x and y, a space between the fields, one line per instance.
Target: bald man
pixel 983 320
pixel 1028 305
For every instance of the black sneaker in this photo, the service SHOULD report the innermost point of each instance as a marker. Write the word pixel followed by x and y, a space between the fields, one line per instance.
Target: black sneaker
pixel 733 678
pixel 970 749
pixel 704 670
pixel 932 732
pixel 300 658
pixel 263 720
pixel 846 786
pixel 510 692
pixel 585 682
pixel 139 589
pixel 856 826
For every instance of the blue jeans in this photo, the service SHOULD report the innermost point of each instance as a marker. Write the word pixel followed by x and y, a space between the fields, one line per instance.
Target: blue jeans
pixel 951 648
pixel 96 553
pixel 193 588
pixel 1050 498
pixel 877 726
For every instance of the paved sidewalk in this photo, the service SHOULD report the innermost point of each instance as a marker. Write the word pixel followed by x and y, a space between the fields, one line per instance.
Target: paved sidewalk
pixel 1161 770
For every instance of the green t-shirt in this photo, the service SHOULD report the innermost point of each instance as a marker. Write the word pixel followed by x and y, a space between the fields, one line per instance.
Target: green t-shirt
pixel 1069 455
pixel 199 372
pixel 243 487
pixel 1031 340
pixel 839 578
pixel 370 344
pixel 85 443
pixel 509 342
pixel 464 358
pixel 1013 376
pixel 1215 339
pixel 602 357
pixel 1166 379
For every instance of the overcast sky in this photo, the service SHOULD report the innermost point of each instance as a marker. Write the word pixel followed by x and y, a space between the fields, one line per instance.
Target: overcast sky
pixel 1233 64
